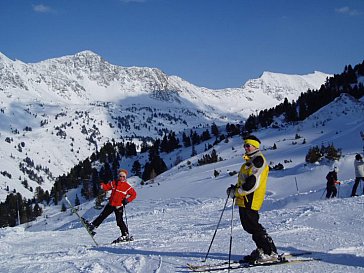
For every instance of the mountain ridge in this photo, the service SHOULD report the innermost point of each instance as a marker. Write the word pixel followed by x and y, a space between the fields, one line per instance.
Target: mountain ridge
pixel 86 65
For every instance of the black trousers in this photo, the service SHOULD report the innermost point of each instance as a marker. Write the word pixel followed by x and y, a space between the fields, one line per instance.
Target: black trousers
pixel 356 184
pixel 331 191
pixel 250 221
pixel 118 215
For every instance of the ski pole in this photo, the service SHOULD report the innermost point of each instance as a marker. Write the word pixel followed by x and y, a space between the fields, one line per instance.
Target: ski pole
pixel 126 218
pixel 323 194
pixel 231 233
pixel 338 193
pixel 217 226
pixel 298 192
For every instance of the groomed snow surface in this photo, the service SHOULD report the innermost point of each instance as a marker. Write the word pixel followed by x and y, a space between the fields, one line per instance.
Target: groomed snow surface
pixel 173 220
pixel 172 232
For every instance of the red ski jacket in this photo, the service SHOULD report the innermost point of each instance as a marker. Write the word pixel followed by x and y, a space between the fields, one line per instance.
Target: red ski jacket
pixel 119 191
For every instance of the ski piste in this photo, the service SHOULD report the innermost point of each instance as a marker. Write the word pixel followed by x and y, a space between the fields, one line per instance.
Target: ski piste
pixel 74 210
pixel 284 259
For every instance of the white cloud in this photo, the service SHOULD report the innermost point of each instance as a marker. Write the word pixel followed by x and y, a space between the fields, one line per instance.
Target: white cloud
pixel 42 8
pixel 348 11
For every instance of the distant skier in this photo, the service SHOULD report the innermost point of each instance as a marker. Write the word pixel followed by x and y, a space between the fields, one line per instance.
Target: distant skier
pixel 249 192
pixel 359 173
pixel 332 181
pixel 122 193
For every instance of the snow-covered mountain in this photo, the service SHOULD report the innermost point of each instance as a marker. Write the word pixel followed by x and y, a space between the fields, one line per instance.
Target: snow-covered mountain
pixel 281 86
pixel 173 220
pixel 86 77
pixel 57 112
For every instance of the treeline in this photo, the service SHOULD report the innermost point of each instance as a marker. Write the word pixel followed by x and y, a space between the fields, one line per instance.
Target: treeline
pixel 103 165
pixel 16 208
pixel 312 100
pixel 316 153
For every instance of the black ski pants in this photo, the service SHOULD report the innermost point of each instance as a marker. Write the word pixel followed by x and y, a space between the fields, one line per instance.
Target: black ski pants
pixel 118 215
pixel 356 184
pixel 250 221
pixel 331 191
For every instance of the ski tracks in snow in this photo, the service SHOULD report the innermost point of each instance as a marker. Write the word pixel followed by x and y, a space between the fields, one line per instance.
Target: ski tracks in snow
pixel 171 233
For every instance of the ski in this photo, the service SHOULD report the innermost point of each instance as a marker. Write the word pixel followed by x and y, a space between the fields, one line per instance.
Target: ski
pixel 237 265
pixel 82 220
pixel 284 258
pixel 210 265
pixel 246 265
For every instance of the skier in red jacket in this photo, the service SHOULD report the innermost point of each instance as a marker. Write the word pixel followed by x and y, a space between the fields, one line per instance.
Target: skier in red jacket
pixel 122 193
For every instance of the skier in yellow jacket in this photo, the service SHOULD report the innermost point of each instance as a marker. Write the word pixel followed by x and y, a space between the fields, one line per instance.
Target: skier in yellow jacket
pixel 249 193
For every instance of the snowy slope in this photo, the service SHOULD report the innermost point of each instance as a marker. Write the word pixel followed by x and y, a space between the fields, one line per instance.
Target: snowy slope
pixel 173 219
pixel 171 232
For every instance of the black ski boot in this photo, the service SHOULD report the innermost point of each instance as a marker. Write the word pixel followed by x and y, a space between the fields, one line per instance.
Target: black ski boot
pixel 259 257
pixel 253 256
pixel 90 226
pixel 123 239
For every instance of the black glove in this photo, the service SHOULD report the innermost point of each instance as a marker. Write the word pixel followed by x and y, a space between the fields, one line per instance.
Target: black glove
pixel 231 191
pixel 125 201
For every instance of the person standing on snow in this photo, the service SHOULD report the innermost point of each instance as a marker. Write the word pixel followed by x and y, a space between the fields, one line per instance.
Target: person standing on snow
pixel 249 193
pixel 331 178
pixel 122 193
pixel 359 173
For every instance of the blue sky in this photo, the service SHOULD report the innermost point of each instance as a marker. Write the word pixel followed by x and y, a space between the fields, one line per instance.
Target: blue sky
pixel 210 43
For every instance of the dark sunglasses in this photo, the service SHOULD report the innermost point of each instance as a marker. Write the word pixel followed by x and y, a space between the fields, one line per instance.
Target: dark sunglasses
pixel 247 145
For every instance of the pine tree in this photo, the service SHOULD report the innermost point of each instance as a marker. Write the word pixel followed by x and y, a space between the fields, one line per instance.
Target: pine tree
pixel 205 135
pixel 193 150
pixel 147 171
pixel 77 201
pixel 173 141
pixel 155 165
pixel 106 173
pixel 99 199
pixel 313 155
pixel 195 138
pixel 214 129
pixel 186 140
pixel 251 123
pixel 332 153
pixel 144 146
pixel 136 168
pixel 130 149
pixel 164 147
pixel 4 215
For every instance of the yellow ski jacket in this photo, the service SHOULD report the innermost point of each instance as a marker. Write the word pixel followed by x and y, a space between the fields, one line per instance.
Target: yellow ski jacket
pixel 252 181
